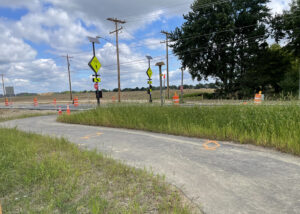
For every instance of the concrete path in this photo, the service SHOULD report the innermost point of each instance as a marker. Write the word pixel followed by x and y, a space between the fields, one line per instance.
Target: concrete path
pixel 220 177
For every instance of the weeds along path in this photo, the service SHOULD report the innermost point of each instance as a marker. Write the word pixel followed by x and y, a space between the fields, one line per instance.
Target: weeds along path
pixel 221 177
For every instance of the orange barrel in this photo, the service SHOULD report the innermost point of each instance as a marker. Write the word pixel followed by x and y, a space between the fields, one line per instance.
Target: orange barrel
pixel 176 99
pixel 6 102
pixel 35 102
pixel 257 99
pixel 76 104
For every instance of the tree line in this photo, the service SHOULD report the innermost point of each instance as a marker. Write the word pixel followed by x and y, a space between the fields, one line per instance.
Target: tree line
pixel 237 43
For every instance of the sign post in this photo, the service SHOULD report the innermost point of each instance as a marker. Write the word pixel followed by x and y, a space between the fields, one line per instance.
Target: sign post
pixel 160 80
pixel 95 65
pixel 149 74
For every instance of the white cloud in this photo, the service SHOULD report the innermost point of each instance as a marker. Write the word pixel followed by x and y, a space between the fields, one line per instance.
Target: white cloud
pixel 152 44
pixel 54 27
pixel 277 6
pixel 13 49
pixel 30 4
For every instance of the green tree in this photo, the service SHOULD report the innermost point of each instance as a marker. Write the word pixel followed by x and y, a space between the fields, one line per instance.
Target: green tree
pixel 221 40
pixel 271 68
pixel 286 27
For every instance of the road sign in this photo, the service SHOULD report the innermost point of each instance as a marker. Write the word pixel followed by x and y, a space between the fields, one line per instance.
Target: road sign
pixel 97 80
pixel 94 64
pixel 96 86
pixel 149 72
pixel 149 82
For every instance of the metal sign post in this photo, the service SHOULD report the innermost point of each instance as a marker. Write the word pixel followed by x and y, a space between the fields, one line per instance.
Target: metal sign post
pixel 95 65
pixel 149 74
pixel 160 80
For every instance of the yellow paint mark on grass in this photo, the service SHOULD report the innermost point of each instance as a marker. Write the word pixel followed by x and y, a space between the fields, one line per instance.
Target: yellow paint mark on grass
pixel 211 148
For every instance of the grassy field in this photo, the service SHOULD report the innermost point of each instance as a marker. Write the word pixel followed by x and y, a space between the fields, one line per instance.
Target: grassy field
pixel 11 114
pixel 44 175
pixel 269 126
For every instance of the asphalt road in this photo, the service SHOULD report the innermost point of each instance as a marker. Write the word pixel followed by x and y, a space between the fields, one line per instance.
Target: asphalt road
pixel 220 177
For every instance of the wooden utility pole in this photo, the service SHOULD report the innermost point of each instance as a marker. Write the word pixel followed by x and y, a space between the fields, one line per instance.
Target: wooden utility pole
pixel 181 88
pixel 167 59
pixel 116 21
pixel 3 85
pixel 299 76
pixel 69 73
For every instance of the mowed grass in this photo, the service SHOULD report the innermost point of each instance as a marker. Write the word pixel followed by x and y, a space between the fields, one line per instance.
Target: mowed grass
pixel 13 114
pixel 269 126
pixel 45 175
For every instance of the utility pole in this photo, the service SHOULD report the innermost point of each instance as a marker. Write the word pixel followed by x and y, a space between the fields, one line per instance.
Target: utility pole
pixel 69 73
pixel 167 59
pixel 160 80
pixel 299 76
pixel 3 85
pixel 116 21
pixel 181 88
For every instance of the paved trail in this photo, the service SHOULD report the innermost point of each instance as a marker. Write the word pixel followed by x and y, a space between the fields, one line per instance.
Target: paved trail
pixel 231 178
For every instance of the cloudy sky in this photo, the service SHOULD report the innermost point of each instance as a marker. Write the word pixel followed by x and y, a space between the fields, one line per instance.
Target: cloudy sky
pixel 36 34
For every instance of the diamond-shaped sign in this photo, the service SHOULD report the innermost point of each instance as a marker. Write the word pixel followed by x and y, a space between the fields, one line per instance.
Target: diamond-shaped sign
pixel 149 72
pixel 94 64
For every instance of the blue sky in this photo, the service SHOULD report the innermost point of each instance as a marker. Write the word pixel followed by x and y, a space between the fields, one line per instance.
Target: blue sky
pixel 36 34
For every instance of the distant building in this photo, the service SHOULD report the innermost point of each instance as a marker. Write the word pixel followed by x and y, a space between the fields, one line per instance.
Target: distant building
pixel 9 91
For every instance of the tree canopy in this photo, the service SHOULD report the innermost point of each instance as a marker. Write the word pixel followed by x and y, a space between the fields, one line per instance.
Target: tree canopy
pixel 228 41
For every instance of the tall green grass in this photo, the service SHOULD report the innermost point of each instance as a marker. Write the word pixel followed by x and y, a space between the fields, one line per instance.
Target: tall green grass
pixel 44 175
pixel 270 126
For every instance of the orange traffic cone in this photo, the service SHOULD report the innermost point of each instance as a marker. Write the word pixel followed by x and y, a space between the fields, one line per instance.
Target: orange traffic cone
pixel 35 102
pixel 54 101
pixel 59 111
pixel 68 110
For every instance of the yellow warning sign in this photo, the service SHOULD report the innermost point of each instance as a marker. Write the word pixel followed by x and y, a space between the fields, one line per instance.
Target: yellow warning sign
pixel 96 79
pixel 149 73
pixel 94 64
